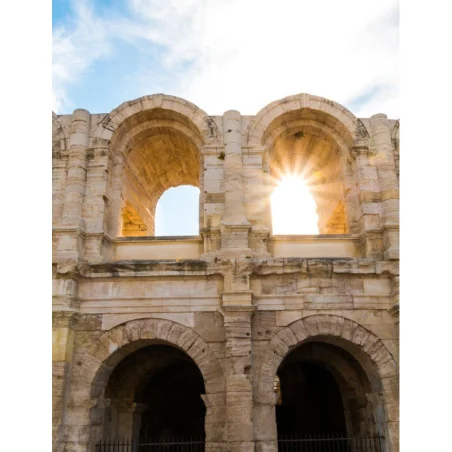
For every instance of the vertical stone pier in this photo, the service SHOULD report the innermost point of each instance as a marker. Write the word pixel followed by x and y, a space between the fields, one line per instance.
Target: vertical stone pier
pixel 234 225
pixel 389 186
pixel 71 223
pixel 238 311
pixel 369 211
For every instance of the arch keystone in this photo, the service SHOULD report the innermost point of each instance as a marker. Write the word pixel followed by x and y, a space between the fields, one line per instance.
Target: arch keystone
pixel 311 325
pixel 330 325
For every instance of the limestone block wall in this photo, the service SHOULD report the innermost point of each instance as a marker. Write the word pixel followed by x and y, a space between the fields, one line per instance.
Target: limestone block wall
pixel 236 299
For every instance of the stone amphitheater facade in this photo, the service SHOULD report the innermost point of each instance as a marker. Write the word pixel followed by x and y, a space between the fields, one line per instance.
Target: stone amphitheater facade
pixel 236 303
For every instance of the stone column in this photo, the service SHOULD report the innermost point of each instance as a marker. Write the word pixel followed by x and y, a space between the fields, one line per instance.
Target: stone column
pixel 234 225
pixel 115 201
pixel 129 420
pixel 76 175
pixel 239 395
pixel 369 212
pixel 138 410
pixel 62 347
pixel 70 232
pixel 94 205
pixel 389 186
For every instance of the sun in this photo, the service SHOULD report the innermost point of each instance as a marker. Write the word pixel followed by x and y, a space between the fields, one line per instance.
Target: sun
pixel 293 207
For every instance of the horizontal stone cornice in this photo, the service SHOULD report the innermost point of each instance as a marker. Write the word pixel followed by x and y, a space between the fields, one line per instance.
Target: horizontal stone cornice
pixel 194 268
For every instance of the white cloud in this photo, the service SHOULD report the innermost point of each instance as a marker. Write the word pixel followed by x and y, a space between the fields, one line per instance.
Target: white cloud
pixel 244 54
pixel 75 48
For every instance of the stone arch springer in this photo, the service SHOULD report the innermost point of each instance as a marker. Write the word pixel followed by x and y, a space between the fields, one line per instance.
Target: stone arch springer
pixel 257 127
pixel 201 122
pixel 323 325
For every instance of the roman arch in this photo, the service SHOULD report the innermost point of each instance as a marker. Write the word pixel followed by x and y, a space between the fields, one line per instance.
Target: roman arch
pixel 155 143
pixel 365 356
pixel 315 137
pixel 87 422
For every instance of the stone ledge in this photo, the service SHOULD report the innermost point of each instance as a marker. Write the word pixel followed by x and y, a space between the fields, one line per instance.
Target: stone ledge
pixel 320 267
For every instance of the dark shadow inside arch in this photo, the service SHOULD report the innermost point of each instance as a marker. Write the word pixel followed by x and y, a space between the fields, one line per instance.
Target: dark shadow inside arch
pixel 173 404
pixel 323 393
pixel 154 395
pixel 311 401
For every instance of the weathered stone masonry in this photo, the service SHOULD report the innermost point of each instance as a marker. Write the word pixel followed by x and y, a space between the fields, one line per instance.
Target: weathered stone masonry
pixel 236 300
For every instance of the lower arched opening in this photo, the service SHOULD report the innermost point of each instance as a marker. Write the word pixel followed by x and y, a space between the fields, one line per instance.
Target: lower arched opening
pixel 325 401
pixel 152 401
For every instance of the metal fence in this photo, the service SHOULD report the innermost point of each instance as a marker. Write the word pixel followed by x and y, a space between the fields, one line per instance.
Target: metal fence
pixel 329 443
pixel 167 445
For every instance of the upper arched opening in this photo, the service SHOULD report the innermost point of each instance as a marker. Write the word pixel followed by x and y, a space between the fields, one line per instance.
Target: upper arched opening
pixel 155 146
pixel 309 138
pixel 300 146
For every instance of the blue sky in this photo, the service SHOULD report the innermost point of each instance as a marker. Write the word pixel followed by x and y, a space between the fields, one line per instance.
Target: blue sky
pixel 225 54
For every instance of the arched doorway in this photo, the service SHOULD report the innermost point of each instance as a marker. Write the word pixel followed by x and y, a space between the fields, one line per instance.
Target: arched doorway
pixel 361 365
pixel 153 398
pixel 324 402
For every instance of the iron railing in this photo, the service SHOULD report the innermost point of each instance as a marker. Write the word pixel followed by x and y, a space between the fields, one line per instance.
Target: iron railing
pixel 176 444
pixel 329 443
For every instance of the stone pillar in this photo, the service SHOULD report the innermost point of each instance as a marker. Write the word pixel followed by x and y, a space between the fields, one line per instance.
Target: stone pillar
pixel 76 175
pixel 115 201
pixel 128 420
pixel 391 412
pixel 389 186
pixel 369 212
pixel 138 410
pixel 239 395
pixel 234 225
pixel 71 225
pixel 62 347
pixel 94 205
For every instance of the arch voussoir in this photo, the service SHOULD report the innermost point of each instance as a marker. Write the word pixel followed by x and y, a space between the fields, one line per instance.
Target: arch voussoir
pixel 360 336
pixel 300 331
pixel 209 368
pixel 287 336
pixel 388 368
pixel 176 332
pixel 348 330
pixel 132 331
pixel 186 339
pixel 162 330
pixel 279 346
pixel 370 342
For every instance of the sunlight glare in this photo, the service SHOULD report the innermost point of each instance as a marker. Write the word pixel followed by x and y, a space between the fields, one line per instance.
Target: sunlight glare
pixel 293 207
